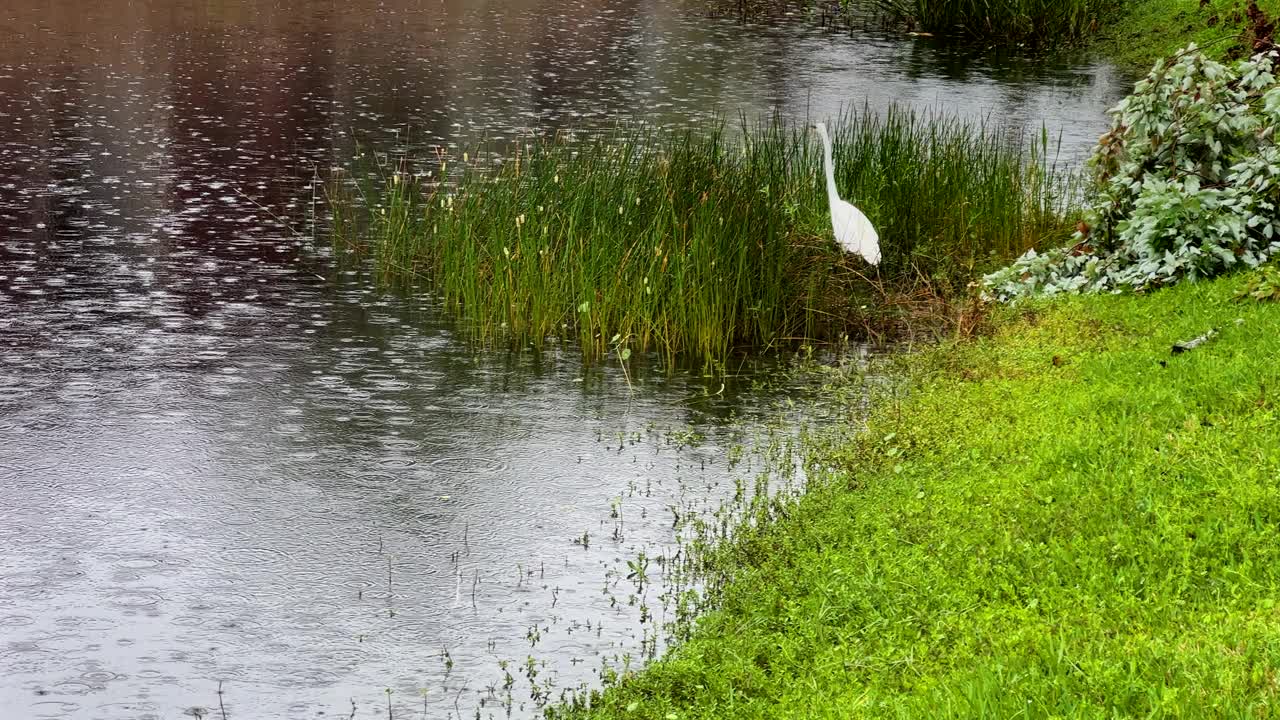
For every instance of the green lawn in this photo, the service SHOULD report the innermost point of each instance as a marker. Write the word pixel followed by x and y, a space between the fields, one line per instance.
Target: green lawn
pixel 1060 520
pixel 1149 29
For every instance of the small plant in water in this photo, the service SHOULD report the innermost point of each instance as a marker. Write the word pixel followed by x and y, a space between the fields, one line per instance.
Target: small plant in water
pixel 639 570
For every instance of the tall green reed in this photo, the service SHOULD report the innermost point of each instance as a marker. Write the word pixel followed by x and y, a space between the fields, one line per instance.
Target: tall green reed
pixel 1009 21
pixel 948 196
pixel 697 242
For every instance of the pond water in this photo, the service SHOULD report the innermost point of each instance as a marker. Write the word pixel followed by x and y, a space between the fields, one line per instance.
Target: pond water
pixel 224 461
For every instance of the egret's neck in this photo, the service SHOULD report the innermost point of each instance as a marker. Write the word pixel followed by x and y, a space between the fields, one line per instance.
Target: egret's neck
pixel 828 165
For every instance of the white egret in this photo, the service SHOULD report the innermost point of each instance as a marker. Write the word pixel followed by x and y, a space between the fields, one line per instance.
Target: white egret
pixel 853 230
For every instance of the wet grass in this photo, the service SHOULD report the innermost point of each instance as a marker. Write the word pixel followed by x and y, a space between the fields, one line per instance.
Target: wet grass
pixel 1063 519
pixel 697 243
pixel 1147 30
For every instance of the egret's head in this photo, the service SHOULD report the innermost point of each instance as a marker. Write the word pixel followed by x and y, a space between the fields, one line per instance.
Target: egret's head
pixel 820 127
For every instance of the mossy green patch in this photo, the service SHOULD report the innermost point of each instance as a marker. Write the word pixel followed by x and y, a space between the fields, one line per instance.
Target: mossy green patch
pixel 1146 30
pixel 1064 519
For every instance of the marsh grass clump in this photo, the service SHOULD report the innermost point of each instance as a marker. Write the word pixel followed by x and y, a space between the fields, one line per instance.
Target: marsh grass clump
pixel 696 242
pixel 1032 22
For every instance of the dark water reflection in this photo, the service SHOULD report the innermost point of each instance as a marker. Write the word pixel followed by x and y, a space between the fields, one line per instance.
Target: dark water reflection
pixel 223 461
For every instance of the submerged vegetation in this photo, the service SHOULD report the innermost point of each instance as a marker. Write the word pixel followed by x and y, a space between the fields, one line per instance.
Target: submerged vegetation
pixel 1064 519
pixel 693 243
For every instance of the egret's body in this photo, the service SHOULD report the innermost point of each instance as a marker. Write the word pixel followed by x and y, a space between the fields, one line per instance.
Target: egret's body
pixel 853 230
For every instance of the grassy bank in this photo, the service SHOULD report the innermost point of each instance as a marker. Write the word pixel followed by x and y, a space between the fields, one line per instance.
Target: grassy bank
pixel 700 242
pixel 1061 520
pixel 1134 33
pixel 1146 30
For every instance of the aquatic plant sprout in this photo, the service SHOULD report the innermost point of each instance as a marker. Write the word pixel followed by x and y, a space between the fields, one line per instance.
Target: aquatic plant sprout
pixel 1187 184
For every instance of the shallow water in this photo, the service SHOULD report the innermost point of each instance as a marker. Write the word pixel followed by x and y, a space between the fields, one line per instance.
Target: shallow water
pixel 312 495
pixel 224 461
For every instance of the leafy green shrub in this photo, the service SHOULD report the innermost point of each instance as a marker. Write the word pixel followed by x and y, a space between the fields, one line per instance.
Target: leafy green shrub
pixel 1186 185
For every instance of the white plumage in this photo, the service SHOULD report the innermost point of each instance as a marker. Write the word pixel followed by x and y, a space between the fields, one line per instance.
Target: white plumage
pixel 853 230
